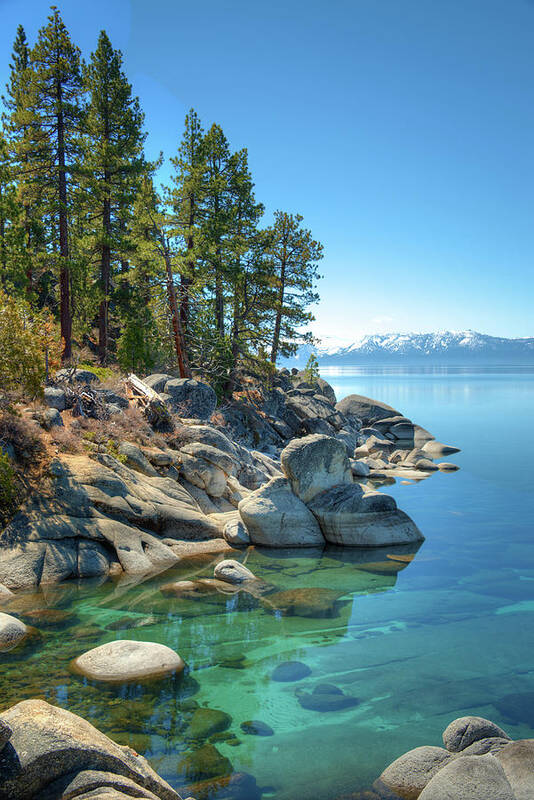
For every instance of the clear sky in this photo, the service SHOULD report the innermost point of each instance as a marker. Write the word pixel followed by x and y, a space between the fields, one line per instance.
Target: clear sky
pixel 402 130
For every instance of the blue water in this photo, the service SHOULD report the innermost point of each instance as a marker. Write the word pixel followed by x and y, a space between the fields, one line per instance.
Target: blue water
pixel 417 642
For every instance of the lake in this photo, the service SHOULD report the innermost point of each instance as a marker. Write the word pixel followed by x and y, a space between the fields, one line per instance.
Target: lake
pixel 413 642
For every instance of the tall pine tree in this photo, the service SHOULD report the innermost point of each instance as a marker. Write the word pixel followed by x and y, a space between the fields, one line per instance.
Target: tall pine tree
pixel 113 164
pixel 51 109
pixel 295 255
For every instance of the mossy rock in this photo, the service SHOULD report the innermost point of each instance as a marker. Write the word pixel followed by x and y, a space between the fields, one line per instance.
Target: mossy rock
pixel 256 727
pixel 238 786
pixel 49 617
pixel 206 762
pixel 309 602
pixel 205 722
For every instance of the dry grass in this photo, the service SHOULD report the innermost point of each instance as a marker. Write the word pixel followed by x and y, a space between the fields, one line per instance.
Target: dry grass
pixel 23 434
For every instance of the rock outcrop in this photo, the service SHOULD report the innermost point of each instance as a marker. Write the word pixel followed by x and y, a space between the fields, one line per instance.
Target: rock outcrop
pixel 51 753
pixel 309 483
pixel 315 463
pixel 275 517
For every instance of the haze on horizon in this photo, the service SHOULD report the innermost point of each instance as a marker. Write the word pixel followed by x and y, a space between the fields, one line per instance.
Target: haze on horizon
pixel 401 131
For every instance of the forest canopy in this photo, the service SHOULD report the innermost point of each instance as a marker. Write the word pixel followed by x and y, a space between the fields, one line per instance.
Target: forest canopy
pixel 185 276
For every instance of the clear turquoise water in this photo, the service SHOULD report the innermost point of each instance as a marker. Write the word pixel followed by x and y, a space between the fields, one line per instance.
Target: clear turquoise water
pixel 418 643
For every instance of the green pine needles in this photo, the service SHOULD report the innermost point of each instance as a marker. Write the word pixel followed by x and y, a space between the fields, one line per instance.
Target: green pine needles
pixel 188 276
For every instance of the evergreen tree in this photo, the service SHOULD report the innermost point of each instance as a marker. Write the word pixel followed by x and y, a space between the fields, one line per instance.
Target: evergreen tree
pixel 113 164
pixel 12 253
pixel 295 255
pixel 217 218
pixel 17 155
pixel 187 197
pixel 50 113
pixel 246 267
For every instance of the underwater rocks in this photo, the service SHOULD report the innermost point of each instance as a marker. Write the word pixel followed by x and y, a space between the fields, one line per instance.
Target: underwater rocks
pixel 205 722
pixel 313 602
pixel 12 631
pixel 237 786
pixel 326 697
pixel 205 762
pixel 255 727
pixel 123 661
pixel 53 753
pixel 480 763
pixel 290 671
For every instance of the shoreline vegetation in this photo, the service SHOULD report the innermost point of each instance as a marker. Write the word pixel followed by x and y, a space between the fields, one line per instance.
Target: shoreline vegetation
pixel 98 261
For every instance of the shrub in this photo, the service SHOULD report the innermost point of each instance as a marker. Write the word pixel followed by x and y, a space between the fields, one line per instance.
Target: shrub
pixel 8 484
pixel 23 434
pixel 30 348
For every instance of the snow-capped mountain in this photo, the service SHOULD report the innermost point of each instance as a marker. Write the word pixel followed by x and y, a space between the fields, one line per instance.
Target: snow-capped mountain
pixel 443 347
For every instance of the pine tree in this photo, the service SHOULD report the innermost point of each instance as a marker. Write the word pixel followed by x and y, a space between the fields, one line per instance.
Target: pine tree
pixel 51 115
pixel 17 155
pixel 295 255
pixel 113 164
pixel 217 218
pixel 187 198
pixel 12 252
pixel 246 268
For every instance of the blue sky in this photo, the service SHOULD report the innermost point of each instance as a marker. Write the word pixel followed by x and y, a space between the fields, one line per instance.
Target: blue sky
pixel 402 130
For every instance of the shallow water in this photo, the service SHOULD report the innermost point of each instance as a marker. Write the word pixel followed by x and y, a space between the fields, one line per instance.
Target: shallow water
pixel 416 642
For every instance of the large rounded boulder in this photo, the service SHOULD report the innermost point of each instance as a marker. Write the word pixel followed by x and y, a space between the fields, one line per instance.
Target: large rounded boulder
pixel 366 409
pixel 315 463
pixel 124 661
pixel 350 517
pixel 190 398
pixel 275 517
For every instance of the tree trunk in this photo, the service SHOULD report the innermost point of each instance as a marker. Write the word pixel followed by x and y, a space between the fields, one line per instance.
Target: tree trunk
pixel 105 275
pixel 278 320
pixel 64 276
pixel 186 280
pixel 179 343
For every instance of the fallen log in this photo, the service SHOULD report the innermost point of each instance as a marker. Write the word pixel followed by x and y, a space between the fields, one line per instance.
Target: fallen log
pixel 149 401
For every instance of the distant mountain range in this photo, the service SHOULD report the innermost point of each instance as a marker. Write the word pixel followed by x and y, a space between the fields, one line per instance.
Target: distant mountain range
pixel 444 347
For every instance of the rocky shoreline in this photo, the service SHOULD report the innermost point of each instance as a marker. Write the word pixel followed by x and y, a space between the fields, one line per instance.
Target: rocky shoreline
pixel 310 480
pixel 288 467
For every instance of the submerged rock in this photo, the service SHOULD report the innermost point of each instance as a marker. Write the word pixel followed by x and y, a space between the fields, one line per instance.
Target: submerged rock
pixel 326 697
pixel 309 602
pixel 256 728
pixel 207 721
pixel 205 762
pixel 290 671
pixel 124 660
